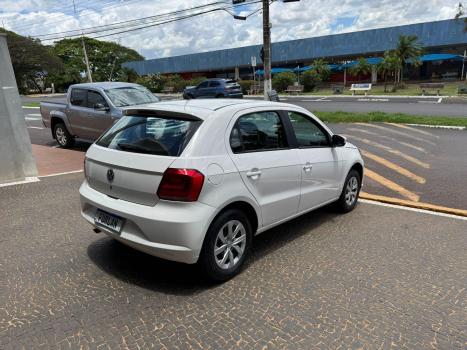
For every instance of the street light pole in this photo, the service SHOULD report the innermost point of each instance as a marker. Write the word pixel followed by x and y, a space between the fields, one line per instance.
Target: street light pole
pixel 267 49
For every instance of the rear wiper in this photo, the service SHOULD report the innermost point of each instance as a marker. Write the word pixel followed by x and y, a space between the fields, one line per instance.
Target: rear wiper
pixel 133 148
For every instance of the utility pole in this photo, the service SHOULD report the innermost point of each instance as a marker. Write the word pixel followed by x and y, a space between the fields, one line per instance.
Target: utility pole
pixel 266 43
pixel 88 70
pixel 267 50
pixel 463 66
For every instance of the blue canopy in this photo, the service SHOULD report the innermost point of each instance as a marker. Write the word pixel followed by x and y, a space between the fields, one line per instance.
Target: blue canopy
pixel 440 57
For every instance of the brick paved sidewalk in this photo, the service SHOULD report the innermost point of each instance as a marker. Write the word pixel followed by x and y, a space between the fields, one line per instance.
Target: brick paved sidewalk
pixel 50 160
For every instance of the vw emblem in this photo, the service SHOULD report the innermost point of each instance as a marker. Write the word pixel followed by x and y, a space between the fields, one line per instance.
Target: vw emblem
pixel 110 175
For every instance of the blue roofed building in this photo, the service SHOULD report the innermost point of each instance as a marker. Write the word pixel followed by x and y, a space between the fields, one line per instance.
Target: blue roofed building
pixel 448 37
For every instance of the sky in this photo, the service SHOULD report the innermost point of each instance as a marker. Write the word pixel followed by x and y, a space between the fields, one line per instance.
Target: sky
pixel 217 30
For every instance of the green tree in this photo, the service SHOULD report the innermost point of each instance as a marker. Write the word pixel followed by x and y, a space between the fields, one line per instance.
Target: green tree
pixel 408 49
pixel 361 68
pixel 281 81
pixel 105 59
pixel 32 62
pixel 310 79
pixel 322 69
pixel 389 67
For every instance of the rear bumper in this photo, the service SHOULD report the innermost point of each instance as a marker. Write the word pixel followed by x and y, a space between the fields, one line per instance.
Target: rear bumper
pixel 169 230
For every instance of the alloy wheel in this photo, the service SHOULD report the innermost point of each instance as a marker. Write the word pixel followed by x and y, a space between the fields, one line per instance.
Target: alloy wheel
pixel 351 191
pixel 230 244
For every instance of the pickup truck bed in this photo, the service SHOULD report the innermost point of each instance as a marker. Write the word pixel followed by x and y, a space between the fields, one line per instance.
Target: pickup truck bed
pixel 47 107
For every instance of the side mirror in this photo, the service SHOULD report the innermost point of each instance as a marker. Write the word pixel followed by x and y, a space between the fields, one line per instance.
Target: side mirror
pixel 338 140
pixel 101 107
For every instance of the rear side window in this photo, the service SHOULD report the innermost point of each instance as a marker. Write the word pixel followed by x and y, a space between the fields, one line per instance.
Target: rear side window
pixel 259 131
pixel 151 135
pixel 78 97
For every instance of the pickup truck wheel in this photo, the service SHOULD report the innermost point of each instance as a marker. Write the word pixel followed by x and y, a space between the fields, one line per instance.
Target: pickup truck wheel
pixel 63 137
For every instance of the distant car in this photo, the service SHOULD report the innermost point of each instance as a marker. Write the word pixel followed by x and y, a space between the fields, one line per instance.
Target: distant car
pixel 214 88
pixel 195 181
pixel 91 109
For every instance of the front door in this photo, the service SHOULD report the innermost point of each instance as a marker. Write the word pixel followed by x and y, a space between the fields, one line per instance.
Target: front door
pixel 98 120
pixel 268 167
pixel 320 163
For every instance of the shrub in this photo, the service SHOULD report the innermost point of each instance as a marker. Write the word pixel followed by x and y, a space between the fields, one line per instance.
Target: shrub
pixel 310 79
pixel 281 81
pixel 153 82
pixel 246 84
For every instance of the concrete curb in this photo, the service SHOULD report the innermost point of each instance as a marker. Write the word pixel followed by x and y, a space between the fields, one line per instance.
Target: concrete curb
pixel 439 126
pixel 416 205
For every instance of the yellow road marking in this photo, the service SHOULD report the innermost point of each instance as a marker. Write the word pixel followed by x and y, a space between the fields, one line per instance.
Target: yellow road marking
pixel 420 149
pixel 418 205
pixel 392 185
pixel 403 126
pixel 394 167
pixel 391 150
pixel 396 132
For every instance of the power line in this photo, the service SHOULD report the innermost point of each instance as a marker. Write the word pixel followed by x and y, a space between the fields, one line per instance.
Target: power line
pixel 152 23
pixel 132 20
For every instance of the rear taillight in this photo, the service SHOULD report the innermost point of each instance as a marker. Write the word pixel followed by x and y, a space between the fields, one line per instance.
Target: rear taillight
pixel 181 185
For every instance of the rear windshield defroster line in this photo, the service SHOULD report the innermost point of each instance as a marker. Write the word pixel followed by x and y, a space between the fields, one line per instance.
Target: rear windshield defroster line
pixel 159 134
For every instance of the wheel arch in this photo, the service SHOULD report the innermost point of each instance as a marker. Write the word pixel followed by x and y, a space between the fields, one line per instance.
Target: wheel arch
pixel 244 206
pixel 358 167
pixel 54 120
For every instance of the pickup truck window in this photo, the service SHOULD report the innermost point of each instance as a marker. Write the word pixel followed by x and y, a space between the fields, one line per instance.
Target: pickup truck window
pixel 78 97
pixel 130 96
pixel 94 98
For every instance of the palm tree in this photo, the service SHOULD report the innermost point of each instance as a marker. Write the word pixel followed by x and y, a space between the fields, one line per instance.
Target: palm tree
pixel 408 49
pixel 390 65
pixel 361 68
pixel 322 68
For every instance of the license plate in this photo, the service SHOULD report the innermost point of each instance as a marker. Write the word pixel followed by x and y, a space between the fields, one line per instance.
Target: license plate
pixel 110 221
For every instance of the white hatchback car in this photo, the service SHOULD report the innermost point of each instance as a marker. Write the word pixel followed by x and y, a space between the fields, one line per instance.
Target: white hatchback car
pixel 194 181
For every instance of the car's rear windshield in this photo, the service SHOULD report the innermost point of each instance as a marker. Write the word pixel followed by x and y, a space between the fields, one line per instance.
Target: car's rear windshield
pixel 163 136
pixel 130 96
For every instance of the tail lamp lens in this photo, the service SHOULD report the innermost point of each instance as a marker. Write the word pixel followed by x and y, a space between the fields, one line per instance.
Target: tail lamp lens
pixel 181 185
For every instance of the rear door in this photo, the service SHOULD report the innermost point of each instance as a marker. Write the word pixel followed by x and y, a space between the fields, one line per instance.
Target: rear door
pixel 268 167
pixel 320 163
pixel 128 161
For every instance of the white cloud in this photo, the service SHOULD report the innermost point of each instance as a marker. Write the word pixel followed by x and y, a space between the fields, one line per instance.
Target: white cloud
pixel 217 30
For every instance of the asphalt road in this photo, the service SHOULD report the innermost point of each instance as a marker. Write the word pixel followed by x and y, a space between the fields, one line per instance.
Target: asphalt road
pixel 376 278
pixel 417 164
pixel 431 106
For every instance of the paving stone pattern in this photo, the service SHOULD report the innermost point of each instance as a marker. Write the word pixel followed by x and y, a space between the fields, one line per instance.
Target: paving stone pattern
pixel 377 278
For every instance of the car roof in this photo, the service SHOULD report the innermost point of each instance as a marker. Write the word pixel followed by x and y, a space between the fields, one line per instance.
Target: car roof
pixel 103 85
pixel 203 108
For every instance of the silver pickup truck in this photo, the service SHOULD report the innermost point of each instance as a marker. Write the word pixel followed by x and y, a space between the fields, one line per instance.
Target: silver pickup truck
pixel 91 109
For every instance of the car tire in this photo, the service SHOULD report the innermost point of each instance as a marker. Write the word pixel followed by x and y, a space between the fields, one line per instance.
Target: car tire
pixel 350 191
pixel 63 137
pixel 222 233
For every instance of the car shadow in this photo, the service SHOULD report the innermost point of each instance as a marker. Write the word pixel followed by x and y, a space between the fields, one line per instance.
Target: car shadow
pixel 81 146
pixel 146 271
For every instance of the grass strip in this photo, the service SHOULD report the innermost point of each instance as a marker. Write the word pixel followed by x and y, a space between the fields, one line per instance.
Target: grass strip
pixel 31 104
pixel 350 117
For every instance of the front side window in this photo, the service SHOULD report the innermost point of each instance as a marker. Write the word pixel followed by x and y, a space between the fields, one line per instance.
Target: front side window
pixel 78 97
pixel 259 131
pixel 130 96
pixel 95 98
pixel 204 84
pixel 214 84
pixel 151 135
pixel 307 132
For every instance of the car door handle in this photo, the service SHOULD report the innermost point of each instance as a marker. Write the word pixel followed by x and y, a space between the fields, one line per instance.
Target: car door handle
pixel 307 167
pixel 254 173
